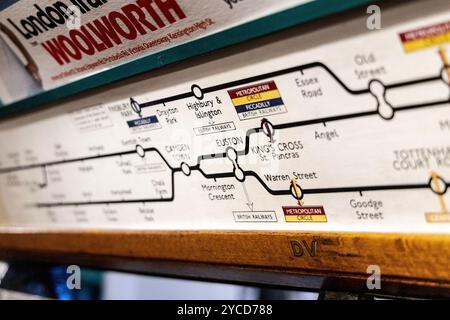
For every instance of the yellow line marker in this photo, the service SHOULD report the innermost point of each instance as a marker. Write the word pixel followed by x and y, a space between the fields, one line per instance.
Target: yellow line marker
pixel 297 191
pixel 445 61
pixel 437 187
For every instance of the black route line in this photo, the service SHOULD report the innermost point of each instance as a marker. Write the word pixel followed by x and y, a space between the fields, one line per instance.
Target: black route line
pixel 412 82
pixel 100 156
pixel 273 74
pixel 245 151
pixel 112 202
pixel 422 105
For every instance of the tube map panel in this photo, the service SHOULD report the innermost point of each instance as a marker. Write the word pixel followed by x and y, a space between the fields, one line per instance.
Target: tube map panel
pixel 333 128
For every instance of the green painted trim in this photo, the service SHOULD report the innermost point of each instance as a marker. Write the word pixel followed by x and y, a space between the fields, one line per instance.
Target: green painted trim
pixel 288 18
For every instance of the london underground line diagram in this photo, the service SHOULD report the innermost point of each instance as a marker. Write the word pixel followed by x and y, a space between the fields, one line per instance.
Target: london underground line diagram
pixel 376 89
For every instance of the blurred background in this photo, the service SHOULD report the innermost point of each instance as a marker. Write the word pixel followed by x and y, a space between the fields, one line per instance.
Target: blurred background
pixel 33 281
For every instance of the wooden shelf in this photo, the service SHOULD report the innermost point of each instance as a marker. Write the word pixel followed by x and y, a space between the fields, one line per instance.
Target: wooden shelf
pixel 407 261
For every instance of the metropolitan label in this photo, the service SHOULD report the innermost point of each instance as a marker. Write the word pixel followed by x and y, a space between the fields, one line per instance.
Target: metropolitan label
pixel 258 100
pixel 305 214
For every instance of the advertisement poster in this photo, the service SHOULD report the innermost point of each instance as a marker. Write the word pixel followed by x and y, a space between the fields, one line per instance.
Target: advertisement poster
pixel 46 44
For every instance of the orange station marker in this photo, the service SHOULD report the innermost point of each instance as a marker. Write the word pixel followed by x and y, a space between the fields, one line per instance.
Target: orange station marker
pixel 445 62
pixel 444 215
pixel 297 191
